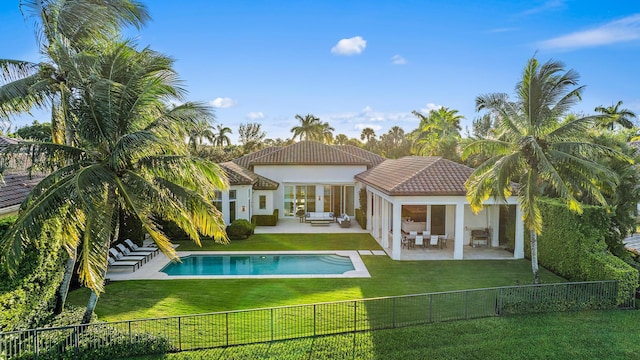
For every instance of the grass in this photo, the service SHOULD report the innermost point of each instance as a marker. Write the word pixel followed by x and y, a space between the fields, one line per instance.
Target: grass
pixel 146 299
pixel 573 335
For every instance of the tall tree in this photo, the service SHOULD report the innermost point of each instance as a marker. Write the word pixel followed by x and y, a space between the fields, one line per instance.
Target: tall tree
pixel 67 31
pixel 438 133
pixel 325 133
pixel 36 131
pixel 251 136
pixel 536 149
pixel 341 139
pixel 367 134
pixel 201 130
pixel 613 116
pixel 221 137
pixel 310 128
pixel 126 159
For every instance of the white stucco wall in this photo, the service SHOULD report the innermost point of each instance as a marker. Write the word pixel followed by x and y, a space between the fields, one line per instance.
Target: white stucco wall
pixel 256 202
pixel 308 174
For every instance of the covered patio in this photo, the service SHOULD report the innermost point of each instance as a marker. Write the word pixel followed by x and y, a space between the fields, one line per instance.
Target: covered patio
pixel 409 196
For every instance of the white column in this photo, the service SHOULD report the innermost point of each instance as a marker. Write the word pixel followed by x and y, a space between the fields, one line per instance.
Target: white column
pixel 458 248
pixel 225 207
pixel 368 214
pixel 494 223
pixel 396 244
pixel 518 251
pixel 385 223
pixel 428 219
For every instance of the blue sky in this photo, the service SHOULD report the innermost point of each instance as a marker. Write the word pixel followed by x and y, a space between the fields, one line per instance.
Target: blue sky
pixel 363 64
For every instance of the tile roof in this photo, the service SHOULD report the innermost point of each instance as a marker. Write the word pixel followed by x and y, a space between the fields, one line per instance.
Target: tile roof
pixel 416 175
pixel 309 153
pixel 16 187
pixel 4 141
pixel 375 159
pixel 238 175
pixel 245 161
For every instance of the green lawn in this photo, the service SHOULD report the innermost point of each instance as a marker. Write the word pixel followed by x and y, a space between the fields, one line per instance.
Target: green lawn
pixel 160 298
pixel 572 335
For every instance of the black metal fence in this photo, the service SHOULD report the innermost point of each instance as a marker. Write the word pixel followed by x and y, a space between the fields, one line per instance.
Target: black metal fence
pixel 193 332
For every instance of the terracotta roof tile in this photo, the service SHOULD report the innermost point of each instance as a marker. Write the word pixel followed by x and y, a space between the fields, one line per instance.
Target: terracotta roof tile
pixel 16 187
pixel 309 153
pixel 375 159
pixel 416 175
pixel 238 175
pixel 245 161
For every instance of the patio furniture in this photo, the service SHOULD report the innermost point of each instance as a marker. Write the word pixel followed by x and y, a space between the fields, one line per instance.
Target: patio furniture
pixel 344 221
pixel 434 241
pixel 419 240
pixel 124 250
pixel 443 240
pixel 319 215
pixel 480 237
pixel 121 257
pixel 135 247
pixel 410 225
pixel 134 265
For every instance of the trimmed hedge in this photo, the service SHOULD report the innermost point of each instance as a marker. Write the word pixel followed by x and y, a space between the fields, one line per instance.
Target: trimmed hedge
pixel 240 229
pixel 265 220
pixel 361 218
pixel 573 246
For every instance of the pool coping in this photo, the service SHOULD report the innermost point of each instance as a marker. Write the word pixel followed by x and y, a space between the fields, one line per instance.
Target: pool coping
pixel 151 270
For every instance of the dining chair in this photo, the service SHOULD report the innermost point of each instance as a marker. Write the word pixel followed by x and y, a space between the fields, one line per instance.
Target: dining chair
pixel 419 240
pixel 433 241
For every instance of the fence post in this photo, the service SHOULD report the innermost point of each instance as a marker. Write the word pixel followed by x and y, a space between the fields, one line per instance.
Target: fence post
pixel 393 313
pixel 314 320
pixel 180 333
pixel 227 326
pixel 271 324
pixel 466 304
pixel 130 336
pixel 500 303
pixel 76 344
pixel 430 308
pixel 355 316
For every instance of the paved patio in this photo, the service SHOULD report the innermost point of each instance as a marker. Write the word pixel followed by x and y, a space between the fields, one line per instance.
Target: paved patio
pixel 294 226
pixel 470 253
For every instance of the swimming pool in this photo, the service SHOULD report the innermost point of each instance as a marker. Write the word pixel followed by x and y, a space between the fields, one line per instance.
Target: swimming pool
pixel 260 264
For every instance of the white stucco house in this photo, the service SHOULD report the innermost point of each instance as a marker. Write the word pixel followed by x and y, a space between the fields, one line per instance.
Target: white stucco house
pixel 408 194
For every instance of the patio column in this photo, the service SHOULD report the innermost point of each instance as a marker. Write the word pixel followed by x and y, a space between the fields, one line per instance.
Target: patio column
pixel 518 251
pixel 396 244
pixel 385 223
pixel 368 212
pixel 374 216
pixel 458 248
pixel 428 219
pixel 494 223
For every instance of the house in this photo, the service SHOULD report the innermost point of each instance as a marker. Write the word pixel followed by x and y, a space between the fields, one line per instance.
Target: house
pixel 15 185
pixel 402 194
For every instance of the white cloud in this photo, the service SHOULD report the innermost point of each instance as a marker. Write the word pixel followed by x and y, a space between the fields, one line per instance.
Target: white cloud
pixel 364 126
pixel 351 46
pixel 255 115
pixel 398 60
pixel 430 106
pixel 222 103
pixel 626 29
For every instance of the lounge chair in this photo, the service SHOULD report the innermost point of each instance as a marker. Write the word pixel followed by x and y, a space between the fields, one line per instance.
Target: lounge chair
pixel 344 221
pixel 121 257
pixel 134 265
pixel 124 250
pixel 135 247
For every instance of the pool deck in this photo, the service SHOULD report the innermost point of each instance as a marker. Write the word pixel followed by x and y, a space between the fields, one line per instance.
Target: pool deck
pixel 151 270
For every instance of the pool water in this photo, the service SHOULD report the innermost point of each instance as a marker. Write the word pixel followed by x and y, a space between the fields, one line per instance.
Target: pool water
pixel 238 264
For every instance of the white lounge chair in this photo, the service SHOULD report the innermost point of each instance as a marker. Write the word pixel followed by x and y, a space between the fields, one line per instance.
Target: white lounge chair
pixel 121 257
pixel 124 250
pixel 134 265
pixel 135 247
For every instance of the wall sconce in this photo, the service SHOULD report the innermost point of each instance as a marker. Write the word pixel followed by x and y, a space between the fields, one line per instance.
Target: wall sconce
pixel 244 208
pixel 319 198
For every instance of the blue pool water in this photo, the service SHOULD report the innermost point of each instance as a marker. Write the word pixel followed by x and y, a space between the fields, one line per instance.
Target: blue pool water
pixel 238 264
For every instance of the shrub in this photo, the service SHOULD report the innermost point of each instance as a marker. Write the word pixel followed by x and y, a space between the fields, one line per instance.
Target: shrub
pixel 361 218
pixel 265 220
pixel 573 246
pixel 240 229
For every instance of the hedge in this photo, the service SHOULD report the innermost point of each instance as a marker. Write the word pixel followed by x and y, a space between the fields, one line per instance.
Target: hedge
pixel 574 247
pixel 265 220
pixel 27 299
pixel 361 218
pixel 240 229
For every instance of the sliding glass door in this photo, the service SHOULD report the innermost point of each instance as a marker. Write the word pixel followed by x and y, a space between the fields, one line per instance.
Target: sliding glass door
pixel 299 197
pixel 342 199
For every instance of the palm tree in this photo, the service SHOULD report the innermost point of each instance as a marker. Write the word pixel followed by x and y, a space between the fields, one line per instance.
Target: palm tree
pixel 341 139
pixel 202 129
pixel 325 134
pixel 126 160
pixel 438 133
pixel 614 115
pixel 68 30
pixel 367 134
pixel 310 128
pixel 221 137
pixel 536 149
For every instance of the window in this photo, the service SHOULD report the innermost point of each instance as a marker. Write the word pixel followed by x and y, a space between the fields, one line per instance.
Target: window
pixel 232 194
pixel 217 201
pixel 262 202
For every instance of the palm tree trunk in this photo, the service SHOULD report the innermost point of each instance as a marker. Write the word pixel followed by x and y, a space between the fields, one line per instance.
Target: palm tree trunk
pixel 63 290
pixel 534 256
